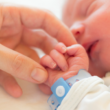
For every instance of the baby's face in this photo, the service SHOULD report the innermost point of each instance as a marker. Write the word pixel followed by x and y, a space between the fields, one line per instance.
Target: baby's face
pixel 89 21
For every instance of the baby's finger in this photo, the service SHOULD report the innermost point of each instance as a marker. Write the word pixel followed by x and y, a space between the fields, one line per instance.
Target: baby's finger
pixel 76 50
pixel 60 47
pixel 10 84
pixel 59 59
pixel 48 62
pixel 80 56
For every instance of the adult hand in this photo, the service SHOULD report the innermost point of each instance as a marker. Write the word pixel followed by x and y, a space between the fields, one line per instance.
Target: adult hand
pixel 17 25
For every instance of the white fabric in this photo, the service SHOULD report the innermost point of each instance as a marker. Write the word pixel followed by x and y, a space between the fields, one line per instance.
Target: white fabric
pixel 98 98
pixel 32 98
pixel 88 94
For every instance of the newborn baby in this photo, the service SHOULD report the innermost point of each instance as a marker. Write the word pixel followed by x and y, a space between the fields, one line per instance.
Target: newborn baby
pixel 88 20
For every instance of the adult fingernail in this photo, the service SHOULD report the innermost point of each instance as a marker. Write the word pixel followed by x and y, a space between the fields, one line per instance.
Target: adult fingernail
pixel 39 75
pixel 64 49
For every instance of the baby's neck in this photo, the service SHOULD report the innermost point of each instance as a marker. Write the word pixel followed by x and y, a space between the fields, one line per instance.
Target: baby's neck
pixel 101 75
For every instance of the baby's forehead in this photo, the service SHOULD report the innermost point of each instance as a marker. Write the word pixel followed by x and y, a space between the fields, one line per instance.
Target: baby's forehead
pixel 72 5
pixel 71 8
pixel 76 2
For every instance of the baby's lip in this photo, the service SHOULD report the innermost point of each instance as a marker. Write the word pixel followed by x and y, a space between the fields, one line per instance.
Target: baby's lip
pixel 88 46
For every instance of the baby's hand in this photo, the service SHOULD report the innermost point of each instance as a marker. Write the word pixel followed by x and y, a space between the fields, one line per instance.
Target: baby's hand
pixel 69 59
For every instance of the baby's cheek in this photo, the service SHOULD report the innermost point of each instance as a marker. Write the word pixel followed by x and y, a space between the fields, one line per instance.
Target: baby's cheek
pixel 99 66
pixel 104 61
pixel 96 71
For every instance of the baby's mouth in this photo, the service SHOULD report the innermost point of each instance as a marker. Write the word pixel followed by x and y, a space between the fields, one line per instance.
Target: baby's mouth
pixel 91 48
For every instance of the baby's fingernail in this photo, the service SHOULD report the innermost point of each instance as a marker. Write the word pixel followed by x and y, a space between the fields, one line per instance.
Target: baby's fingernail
pixel 64 49
pixel 53 65
pixel 38 74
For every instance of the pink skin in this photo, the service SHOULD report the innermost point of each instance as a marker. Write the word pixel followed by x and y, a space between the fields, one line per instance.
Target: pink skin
pixel 53 60
pixel 89 21
pixel 10 84
pixel 75 59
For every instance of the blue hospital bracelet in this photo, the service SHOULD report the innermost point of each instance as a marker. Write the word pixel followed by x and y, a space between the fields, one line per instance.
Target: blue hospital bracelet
pixel 61 87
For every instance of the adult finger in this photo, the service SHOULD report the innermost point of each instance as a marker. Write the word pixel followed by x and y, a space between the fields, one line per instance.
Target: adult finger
pixel 10 85
pixel 21 66
pixel 27 51
pixel 45 89
pixel 39 39
pixel 36 18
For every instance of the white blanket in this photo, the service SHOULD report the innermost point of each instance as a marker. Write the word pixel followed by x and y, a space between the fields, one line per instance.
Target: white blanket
pixel 32 98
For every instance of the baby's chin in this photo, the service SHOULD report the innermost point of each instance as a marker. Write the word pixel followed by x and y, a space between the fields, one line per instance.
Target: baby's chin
pixel 99 75
pixel 97 72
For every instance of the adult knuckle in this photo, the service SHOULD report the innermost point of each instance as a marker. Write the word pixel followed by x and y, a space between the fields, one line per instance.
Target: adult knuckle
pixel 17 63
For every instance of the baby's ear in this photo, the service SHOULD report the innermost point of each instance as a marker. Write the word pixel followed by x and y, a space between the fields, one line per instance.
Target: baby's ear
pixel 60 47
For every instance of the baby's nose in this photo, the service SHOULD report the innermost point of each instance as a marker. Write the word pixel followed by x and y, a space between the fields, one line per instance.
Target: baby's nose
pixel 77 29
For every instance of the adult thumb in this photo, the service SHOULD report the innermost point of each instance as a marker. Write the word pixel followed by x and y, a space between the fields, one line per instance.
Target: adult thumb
pixel 21 66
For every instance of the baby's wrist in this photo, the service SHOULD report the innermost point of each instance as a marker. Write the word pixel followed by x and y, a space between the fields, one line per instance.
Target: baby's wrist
pixel 60 88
